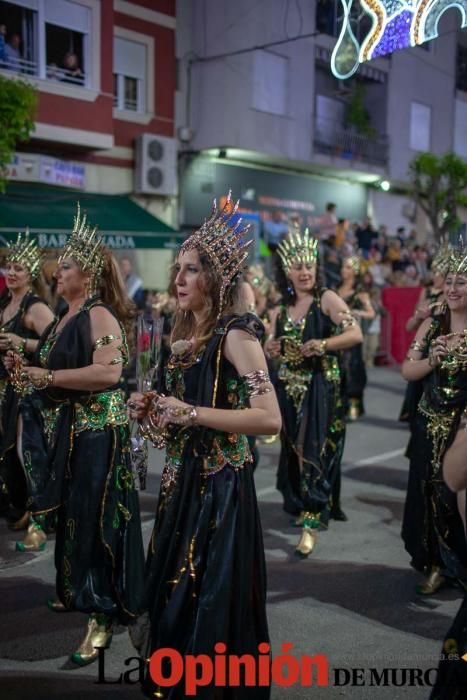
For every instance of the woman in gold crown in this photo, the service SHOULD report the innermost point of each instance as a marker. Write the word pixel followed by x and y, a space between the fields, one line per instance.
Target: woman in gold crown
pixel 75 444
pixel 432 529
pixel 312 325
pixel 352 362
pixel 205 575
pixel 24 315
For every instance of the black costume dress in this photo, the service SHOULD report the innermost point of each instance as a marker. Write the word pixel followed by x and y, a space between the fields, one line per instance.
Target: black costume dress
pixel 205 573
pixel 76 450
pixel 12 477
pixel 313 426
pixel 353 366
pixel 432 529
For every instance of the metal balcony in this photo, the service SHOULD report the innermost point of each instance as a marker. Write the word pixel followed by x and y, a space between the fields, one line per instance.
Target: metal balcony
pixel 338 141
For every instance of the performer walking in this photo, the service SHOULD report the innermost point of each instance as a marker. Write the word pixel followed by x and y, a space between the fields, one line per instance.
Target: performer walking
pixel 352 362
pixel 432 529
pixel 312 325
pixel 75 444
pixel 23 317
pixel 205 574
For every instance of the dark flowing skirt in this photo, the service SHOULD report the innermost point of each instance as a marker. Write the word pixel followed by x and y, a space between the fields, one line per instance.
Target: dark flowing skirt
pixel 354 377
pixel 317 432
pixel 12 478
pixel 432 528
pixel 86 479
pixel 205 574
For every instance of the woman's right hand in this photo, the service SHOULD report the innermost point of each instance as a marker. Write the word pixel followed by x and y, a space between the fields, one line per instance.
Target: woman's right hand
pixel 422 312
pixel 438 351
pixel 272 347
pixel 140 404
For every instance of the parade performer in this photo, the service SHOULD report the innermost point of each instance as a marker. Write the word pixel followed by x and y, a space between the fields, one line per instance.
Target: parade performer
pixel 429 304
pixel 24 316
pixel 312 325
pixel 205 575
pixel 432 529
pixel 352 362
pixel 76 445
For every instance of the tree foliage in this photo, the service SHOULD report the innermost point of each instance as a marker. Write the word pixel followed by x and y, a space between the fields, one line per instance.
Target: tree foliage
pixel 18 101
pixel 440 187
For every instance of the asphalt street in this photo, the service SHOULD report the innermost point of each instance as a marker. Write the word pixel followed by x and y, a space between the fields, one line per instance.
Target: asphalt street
pixel 352 600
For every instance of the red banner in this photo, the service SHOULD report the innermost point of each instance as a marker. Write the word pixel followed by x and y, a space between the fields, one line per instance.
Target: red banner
pixel 400 303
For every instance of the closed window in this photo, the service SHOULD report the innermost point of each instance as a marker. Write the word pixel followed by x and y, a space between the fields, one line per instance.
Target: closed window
pixel 129 75
pixel 270 83
pixel 420 127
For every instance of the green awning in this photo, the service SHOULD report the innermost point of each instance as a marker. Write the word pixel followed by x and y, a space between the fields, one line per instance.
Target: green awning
pixel 48 212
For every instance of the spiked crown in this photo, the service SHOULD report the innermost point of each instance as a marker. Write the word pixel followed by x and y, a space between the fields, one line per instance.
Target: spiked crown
pixel 441 260
pixel 298 248
pixel 84 246
pixel 355 263
pixel 25 252
pixel 458 259
pixel 222 239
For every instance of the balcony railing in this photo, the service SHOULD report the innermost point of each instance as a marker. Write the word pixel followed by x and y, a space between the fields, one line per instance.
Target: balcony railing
pixel 19 65
pixel 333 139
pixel 22 67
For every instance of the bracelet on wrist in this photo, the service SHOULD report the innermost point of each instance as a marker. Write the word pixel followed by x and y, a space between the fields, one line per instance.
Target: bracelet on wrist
pixel 193 416
pixel 21 347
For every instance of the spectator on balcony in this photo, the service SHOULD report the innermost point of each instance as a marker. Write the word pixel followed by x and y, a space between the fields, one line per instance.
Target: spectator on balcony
pixel 328 222
pixel 54 72
pixel 13 54
pixel 366 236
pixel 72 72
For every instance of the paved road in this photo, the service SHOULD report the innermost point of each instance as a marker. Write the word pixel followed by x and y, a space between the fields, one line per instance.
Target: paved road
pixel 353 600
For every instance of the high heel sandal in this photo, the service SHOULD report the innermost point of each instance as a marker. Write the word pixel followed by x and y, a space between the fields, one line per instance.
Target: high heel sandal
pixel 56 606
pixel 433 583
pixel 307 540
pixel 35 539
pixel 98 636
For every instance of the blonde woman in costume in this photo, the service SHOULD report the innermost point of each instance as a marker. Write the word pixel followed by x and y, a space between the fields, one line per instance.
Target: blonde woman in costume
pixel 311 326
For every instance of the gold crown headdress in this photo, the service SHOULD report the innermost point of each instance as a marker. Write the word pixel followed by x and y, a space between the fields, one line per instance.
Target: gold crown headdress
pixel 441 260
pixel 297 248
pixel 84 246
pixel 355 263
pixel 458 259
pixel 25 252
pixel 221 238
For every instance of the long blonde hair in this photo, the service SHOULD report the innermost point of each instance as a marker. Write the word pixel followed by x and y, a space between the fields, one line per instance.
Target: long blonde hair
pixel 185 326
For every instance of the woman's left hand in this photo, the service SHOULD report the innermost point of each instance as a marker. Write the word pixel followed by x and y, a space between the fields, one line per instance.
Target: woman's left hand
pixel 36 375
pixel 10 341
pixel 171 410
pixel 311 348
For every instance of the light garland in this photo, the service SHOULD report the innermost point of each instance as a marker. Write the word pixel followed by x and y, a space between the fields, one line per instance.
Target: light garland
pixel 396 24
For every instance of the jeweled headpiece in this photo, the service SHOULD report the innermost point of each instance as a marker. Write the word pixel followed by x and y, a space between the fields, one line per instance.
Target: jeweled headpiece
pixel 297 248
pixel 355 263
pixel 458 260
pixel 442 258
pixel 222 239
pixel 84 246
pixel 25 252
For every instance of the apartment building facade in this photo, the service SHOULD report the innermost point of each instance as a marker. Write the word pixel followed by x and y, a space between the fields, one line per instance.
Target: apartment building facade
pixel 106 79
pixel 260 109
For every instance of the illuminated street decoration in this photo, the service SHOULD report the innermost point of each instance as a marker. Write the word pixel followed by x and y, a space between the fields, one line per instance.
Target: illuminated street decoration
pixel 396 24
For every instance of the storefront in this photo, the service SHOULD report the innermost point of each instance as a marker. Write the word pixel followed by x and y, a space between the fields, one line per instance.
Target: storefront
pixel 127 229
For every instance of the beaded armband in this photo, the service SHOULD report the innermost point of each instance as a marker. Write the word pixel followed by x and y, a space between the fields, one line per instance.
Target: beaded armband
pixel 106 340
pixel 417 346
pixel 348 321
pixel 257 383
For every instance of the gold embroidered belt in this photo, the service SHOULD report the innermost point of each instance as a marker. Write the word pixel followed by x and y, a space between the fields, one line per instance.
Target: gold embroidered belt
pixel 107 408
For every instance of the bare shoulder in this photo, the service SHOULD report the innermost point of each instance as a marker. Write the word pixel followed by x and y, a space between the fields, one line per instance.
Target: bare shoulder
pixel 103 322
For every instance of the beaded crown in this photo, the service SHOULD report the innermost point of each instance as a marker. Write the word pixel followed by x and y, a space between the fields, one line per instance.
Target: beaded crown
pixel 458 259
pixel 297 248
pixel 355 262
pixel 441 260
pixel 84 246
pixel 222 239
pixel 25 252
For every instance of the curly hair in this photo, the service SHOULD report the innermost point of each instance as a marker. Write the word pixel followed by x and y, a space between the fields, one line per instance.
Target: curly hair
pixel 113 292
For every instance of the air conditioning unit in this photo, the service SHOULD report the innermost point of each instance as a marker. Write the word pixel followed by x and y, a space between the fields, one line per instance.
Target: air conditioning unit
pixel 155 165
